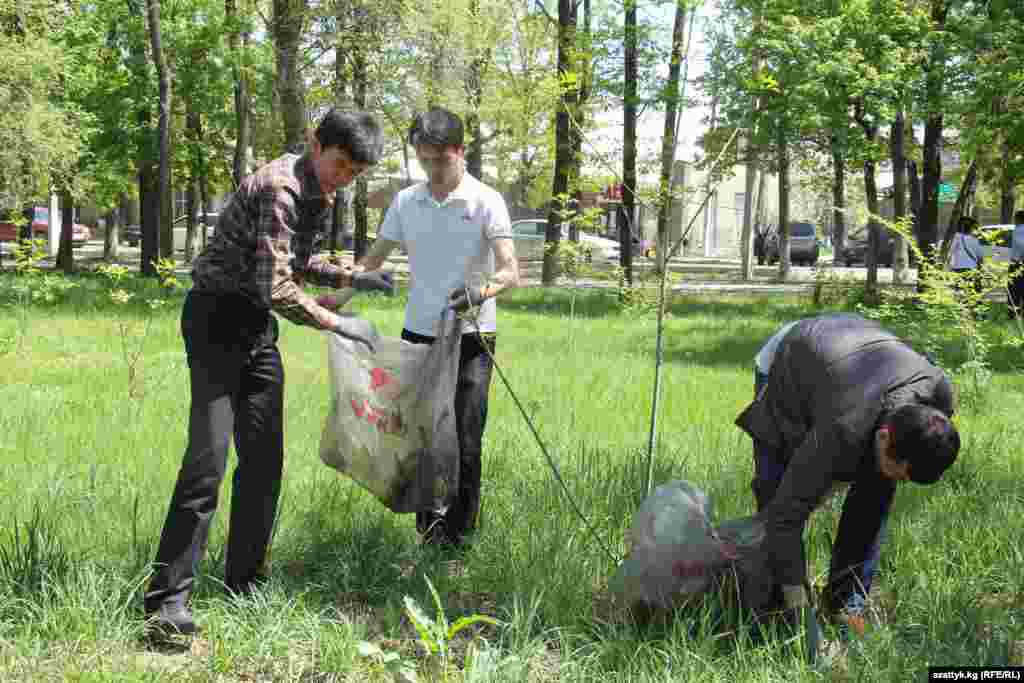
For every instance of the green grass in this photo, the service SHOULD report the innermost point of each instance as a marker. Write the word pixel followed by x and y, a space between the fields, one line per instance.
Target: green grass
pixel 88 472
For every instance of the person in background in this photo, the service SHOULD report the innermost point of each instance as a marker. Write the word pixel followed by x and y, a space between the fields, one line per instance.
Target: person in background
pixel 458 235
pixel 966 255
pixel 843 402
pixel 1015 289
pixel 254 267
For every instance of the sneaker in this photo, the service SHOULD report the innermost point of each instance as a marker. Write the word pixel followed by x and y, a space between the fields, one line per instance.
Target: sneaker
pixel 171 620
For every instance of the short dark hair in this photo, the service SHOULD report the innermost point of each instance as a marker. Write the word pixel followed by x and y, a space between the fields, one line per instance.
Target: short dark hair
pixel 354 131
pixel 967 224
pixel 436 126
pixel 1018 216
pixel 925 438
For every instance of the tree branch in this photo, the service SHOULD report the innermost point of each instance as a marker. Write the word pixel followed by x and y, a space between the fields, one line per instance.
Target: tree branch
pixel 540 4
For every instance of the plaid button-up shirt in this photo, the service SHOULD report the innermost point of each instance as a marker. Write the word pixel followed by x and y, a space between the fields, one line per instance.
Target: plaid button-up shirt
pixel 263 245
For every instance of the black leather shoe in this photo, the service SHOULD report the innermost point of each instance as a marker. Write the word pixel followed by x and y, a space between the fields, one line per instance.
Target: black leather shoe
pixel 171 620
pixel 246 588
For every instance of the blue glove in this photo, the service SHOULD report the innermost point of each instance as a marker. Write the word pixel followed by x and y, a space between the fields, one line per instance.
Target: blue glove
pixel 373 281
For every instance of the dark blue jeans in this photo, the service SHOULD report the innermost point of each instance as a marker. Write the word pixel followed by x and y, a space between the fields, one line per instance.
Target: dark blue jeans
pixel 857 548
pixel 471 392
pixel 237 384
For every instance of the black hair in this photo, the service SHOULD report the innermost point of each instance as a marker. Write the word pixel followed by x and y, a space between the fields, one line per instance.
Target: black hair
pixel 436 126
pixel 967 224
pixel 1018 216
pixel 354 131
pixel 925 438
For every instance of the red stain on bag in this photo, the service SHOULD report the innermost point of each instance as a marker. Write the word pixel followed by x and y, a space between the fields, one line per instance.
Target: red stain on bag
pixel 379 377
pixel 358 408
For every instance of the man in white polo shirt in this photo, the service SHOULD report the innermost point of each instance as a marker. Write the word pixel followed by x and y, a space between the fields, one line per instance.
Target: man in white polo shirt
pixel 458 235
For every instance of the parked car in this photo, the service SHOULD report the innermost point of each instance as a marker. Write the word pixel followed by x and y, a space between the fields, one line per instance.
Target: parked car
pixel 997 240
pixel 529 235
pixel 132 234
pixel 804 247
pixel 9 232
pixel 855 250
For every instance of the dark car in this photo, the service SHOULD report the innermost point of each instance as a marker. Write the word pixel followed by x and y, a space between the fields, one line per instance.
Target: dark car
pixel 132 234
pixel 803 244
pixel 856 249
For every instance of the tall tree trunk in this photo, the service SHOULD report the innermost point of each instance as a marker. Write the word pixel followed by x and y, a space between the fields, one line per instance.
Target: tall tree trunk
pixel 563 140
pixel 1007 186
pixel 914 183
pixel 65 256
pixel 359 88
pixel 747 232
pixel 163 192
pixel 361 219
pixel 194 129
pixel 238 42
pixel 190 219
pixel 630 113
pixel 668 135
pixel 204 196
pixel 584 70
pixel 473 86
pixel 287 30
pixel 784 226
pixel 759 217
pixel 149 222
pixel 899 188
pixel 932 173
pixel 339 212
pixel 838 202
pixel 874 230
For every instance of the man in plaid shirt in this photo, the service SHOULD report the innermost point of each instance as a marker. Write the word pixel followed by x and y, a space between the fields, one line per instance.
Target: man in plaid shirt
pixel 254 265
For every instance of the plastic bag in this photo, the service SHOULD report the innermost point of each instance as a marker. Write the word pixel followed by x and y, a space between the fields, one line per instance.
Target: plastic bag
pixel 676 551
pixel 391 425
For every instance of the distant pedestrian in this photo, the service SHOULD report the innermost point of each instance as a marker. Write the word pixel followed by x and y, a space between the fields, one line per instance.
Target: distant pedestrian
pixel 965 258
pixel 1015 288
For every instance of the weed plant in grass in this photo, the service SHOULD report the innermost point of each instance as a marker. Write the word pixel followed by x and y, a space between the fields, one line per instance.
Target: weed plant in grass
pixel 88 474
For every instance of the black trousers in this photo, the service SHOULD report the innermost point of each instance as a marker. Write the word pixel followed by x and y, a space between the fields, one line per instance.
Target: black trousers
pixel 237 383
pixel 475 368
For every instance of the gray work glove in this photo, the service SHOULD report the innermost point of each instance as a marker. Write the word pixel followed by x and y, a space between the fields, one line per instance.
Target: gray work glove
pixel 463 298
pixel 373 281
pixel 356 329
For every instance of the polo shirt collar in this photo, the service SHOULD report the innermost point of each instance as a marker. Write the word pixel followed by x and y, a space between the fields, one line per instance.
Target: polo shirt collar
pixel 460 193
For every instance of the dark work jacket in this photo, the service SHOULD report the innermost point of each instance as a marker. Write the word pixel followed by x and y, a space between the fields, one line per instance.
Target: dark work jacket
pixel 831 381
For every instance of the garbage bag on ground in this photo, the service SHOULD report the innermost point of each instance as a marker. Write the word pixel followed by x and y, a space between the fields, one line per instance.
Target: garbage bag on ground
pixel 677 551
pixel 391 425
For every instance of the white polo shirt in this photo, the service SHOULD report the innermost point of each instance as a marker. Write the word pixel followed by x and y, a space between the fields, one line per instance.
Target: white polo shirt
pixel 449 243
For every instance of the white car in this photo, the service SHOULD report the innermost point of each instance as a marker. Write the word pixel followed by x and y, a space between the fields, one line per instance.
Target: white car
pixel 601 246
pixel 997 240
pixel 529 235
